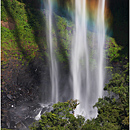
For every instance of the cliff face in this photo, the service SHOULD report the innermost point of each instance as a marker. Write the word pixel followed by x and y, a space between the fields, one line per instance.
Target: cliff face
pixel 25 67
pixel 23 58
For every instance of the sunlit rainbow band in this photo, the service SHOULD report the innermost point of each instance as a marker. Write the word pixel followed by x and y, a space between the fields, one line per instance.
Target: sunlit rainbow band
pixel 91 10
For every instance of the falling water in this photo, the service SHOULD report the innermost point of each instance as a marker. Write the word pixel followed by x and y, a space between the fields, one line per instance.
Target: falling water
pixel 87 83
pixel 53 62
pixel 101 41
pixel 79 50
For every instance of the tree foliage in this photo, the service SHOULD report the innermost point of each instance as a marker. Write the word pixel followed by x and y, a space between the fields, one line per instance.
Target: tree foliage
pixel 60 118
pixel 113 110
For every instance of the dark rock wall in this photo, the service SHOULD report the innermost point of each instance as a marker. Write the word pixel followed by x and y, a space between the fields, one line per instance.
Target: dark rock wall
pixel 120 26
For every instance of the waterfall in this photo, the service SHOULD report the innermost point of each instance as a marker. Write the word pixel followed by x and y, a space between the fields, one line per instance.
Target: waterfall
pixel 87 82
pixel 79 51
pixel 101 42
pixel 53 62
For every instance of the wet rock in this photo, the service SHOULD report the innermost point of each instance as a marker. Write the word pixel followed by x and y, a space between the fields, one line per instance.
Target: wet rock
pixel 8 123
pixel 19 88
pixel 20 126
pixel 43 110
pixel 12 125
pixel 4 125
pixel 28 121
pixel 9 96
pixel 20 96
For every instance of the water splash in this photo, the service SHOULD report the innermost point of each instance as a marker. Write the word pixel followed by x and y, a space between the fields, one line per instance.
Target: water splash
pixel 38 115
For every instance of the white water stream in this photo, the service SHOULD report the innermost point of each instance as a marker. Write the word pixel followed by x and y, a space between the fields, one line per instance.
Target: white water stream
pixel 87 83
pixel 53 62
pixel 101 42
pixel 79 56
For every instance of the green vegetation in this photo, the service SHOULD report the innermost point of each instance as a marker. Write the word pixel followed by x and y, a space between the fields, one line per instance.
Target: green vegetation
pixel 60 118
pixel 19 42
pixel 113 110
pixel 24 39
pixel 112 49
pixel 27 39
